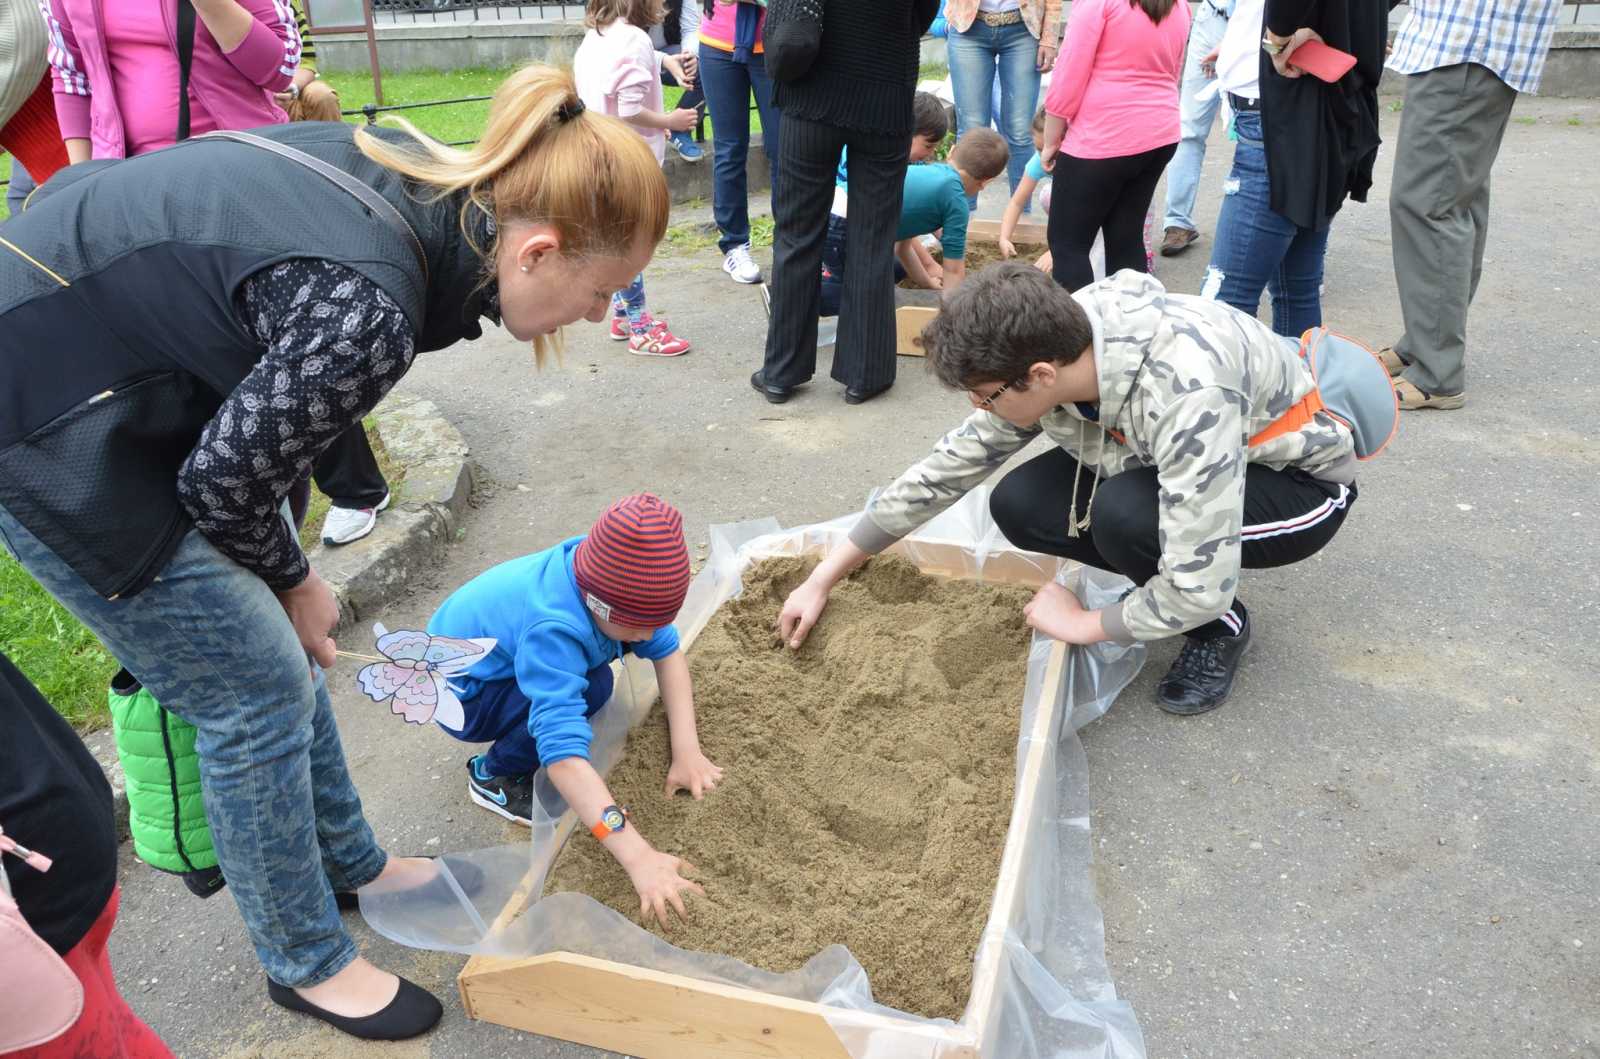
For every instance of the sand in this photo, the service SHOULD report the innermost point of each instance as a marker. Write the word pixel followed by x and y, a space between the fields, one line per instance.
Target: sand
pixel 982 255
pixel 868 787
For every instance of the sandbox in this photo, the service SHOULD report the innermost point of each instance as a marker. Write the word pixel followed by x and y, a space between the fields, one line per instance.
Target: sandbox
pixel 566 966
pixel 868 780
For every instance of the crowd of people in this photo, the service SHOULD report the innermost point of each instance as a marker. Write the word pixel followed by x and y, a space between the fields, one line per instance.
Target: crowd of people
pixel 157 436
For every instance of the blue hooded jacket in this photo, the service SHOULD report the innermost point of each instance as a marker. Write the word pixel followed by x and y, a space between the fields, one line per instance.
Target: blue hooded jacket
pixel 547 641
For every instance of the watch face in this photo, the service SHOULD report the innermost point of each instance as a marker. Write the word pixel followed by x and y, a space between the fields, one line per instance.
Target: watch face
pixel 613 819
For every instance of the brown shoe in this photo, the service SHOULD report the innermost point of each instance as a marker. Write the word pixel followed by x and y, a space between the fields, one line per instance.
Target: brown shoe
pixel 1412 399
pixel 1177 240
pixel 1391 361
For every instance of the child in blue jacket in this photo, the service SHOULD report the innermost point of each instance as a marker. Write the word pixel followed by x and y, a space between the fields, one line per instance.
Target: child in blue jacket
pixel 560 618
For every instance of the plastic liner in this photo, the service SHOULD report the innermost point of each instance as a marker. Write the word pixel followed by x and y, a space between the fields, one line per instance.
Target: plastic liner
pixel 1052 994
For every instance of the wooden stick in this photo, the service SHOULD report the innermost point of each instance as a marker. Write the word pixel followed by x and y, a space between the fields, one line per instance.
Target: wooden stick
pixel 363 658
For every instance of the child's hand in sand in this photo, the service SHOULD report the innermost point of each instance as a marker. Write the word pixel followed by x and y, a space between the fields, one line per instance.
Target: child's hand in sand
pixel 657 878
pixel 1045 262
pixel 692 771
pixel 1008 249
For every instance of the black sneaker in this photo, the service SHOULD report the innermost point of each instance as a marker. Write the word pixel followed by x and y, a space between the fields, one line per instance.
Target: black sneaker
pixel 507 796
pixel 1202 675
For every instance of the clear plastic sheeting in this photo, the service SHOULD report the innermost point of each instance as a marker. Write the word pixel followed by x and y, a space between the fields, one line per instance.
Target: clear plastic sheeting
pixel 1042 987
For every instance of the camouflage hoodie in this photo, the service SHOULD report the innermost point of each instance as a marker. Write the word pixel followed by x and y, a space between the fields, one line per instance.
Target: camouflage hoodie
pixel 1185 382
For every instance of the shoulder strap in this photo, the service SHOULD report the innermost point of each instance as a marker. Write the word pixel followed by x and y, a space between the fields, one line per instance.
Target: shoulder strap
pixel 375 203
pixel 185 63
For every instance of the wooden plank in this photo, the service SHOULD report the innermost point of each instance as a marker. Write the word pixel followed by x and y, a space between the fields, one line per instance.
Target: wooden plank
pixel 1025 232
pixel 983 1006
pixel 654 1015
pixel 909 320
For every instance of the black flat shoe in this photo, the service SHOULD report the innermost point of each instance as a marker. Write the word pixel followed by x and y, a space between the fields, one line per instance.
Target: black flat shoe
pixel 774 394
pixel 467 874
pixel 413 1012
pixel 855 396
pixel 1202 675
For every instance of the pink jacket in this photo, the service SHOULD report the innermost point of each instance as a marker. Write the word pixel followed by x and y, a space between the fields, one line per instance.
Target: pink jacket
pixel 1116 81
pixel 234 88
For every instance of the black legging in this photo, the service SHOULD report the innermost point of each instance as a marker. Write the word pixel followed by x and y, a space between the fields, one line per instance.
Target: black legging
pixel 1109 195
pixel 1288 516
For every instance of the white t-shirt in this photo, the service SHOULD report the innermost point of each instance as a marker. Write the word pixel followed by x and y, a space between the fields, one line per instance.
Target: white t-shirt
pixel 1239 55
pixel 999 5
pixel 618 72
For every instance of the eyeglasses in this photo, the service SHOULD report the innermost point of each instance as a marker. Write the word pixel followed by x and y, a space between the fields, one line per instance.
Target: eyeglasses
pixel 987 403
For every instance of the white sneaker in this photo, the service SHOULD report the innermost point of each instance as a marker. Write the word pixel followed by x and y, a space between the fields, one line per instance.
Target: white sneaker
pixel 741 266
pixel 346 524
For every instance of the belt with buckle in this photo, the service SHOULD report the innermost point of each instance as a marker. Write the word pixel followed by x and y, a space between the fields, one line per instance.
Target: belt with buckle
pixel 1000 18
pixel 1239 103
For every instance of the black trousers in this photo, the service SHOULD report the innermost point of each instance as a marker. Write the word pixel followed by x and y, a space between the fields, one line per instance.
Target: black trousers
pixel 1109 195
pixel 347 471
pixel 808 156
pixel 1288 516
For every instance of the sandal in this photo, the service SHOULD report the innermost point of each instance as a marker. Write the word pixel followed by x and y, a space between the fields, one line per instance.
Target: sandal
pixel 1412 399
pixel 1391 361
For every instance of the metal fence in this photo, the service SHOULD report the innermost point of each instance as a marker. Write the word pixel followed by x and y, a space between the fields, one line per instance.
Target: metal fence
pixel 408 12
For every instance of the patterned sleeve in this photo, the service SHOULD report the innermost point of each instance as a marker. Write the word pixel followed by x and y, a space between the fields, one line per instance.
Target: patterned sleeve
pixel 335 344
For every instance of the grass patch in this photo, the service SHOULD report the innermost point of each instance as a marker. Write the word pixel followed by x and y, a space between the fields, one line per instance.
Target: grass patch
pixel 63 659
pixel 692 238
pixel 932 72
pixel 1529 120
pixel 1574 121
pixel 393 473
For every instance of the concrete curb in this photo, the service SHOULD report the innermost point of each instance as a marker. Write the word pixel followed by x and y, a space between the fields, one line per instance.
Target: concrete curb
pixel 372 572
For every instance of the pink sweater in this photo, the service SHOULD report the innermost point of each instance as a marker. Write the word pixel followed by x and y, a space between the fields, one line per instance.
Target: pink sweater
pixel 1116 82
pixel 116 72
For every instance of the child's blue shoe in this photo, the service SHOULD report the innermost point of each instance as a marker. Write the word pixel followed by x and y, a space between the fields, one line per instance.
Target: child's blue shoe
pixel 683 143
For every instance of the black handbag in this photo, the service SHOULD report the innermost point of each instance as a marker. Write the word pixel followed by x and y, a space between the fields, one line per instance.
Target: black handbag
pixel 792 38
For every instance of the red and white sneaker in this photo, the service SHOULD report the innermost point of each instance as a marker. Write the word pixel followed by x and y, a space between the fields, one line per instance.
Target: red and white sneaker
pixel 620 331
pixel 658 342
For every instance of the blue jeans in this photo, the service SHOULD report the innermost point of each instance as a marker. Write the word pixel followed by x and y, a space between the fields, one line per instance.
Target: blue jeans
pixel 499 712
pixel 629 302
pixel 1183 174
pixel 728 85
pixel 976 57
pixel 1256 248
pixel 833 265
pixel 213 645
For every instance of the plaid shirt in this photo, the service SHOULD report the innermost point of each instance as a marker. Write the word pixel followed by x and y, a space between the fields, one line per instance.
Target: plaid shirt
pixel 1510 37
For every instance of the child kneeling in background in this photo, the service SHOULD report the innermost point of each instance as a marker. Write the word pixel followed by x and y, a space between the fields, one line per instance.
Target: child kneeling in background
pixel 934 200
pixel 560 618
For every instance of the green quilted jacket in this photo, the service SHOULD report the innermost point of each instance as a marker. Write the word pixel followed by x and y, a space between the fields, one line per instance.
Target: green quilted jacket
pixel 162 771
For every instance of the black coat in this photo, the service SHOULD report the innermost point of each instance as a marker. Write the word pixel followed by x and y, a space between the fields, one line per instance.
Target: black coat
pixel 1321 139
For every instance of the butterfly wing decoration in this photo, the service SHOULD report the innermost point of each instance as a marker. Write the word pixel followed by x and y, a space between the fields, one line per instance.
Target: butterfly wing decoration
pixel 415 679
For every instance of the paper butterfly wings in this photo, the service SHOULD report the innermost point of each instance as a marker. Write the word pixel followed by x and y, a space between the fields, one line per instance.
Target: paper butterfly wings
pixel 415 680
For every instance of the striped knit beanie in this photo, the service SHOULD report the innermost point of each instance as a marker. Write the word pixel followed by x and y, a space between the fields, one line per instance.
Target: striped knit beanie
pixel 633 568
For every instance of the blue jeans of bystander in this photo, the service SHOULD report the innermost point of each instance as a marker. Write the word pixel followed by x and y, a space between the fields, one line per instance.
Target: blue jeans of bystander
pixel 212 643
pixel 976 56
pixel 728 86
pixel 1258 249
pixel 1183 174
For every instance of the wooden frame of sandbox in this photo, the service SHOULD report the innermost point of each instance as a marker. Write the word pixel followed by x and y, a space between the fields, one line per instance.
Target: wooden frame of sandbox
pixel 656 1015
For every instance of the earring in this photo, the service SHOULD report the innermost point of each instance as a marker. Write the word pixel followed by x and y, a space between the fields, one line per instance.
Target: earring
pixel 524 268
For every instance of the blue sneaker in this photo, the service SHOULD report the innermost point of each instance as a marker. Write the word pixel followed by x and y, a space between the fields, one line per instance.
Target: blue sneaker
pixel 684 144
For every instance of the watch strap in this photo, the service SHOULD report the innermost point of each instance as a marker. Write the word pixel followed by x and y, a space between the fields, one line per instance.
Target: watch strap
pixel 613 818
